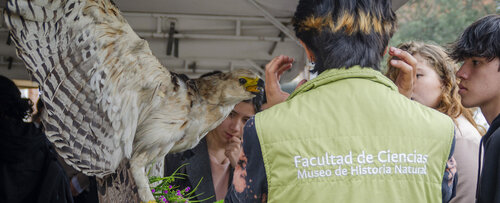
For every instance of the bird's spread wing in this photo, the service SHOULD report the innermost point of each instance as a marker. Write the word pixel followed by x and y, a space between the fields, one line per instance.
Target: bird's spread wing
pixel 96 76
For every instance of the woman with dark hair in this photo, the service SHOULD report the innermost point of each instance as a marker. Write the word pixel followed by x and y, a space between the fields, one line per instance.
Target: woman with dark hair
pixel 212 161
pixel 29 171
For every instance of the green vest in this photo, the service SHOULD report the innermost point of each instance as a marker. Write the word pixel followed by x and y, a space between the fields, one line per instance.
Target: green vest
pixel 349 136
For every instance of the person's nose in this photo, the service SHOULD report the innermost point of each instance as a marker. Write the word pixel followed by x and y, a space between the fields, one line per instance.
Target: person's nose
pixel 235 125
pixel 462 73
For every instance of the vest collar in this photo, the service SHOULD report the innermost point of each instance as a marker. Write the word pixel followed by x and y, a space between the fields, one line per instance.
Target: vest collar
pixel 334 75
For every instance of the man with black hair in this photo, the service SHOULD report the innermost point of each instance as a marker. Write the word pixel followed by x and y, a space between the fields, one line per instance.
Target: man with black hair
pixel 348 135
pixel 479 50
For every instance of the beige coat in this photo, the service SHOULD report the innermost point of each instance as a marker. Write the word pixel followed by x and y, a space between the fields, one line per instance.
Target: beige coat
pixel 466 155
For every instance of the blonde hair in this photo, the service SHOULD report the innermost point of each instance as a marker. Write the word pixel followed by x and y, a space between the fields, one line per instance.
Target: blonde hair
pixel 445 67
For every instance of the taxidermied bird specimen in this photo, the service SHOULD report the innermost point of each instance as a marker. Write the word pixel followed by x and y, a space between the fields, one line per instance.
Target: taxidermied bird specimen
pixel 107 97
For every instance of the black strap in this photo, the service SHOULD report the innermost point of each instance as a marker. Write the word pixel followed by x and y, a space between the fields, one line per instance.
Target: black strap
pixel 478 185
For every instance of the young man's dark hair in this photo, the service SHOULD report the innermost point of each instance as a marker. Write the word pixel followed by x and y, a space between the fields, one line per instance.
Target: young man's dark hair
pixel 481 39
pixel 357 32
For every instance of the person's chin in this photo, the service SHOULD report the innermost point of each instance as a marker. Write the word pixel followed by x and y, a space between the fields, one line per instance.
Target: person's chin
pixel 466 103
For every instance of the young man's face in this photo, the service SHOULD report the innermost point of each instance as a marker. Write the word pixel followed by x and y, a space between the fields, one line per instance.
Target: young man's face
pixel 480 82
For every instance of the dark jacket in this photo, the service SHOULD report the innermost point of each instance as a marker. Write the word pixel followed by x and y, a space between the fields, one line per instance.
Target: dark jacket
pixel 489 182
pixel 29 170
pixel 198 167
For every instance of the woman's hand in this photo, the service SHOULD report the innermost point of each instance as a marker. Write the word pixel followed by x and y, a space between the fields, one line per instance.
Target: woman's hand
pixel 407 65
pixel 233 150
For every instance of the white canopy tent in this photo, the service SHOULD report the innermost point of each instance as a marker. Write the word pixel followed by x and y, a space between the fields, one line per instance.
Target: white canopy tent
pixel 199 36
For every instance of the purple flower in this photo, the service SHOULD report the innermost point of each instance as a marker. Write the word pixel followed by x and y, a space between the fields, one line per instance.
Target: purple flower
pixel 169 187
pixel 178 192
pixel 153 190
pixel 166 191
pixel 187 189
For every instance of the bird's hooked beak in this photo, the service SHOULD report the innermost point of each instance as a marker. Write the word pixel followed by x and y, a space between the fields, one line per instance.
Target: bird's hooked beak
pixel 253 85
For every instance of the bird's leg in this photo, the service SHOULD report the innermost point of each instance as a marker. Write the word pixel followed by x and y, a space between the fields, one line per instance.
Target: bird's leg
pixel 137 167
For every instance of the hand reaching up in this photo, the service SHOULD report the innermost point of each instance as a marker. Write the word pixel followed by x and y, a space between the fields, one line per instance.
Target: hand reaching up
pixel 407 76
pixel 274 70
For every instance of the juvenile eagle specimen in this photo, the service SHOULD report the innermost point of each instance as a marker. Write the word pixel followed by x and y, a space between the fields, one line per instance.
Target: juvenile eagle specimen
pixel 107 97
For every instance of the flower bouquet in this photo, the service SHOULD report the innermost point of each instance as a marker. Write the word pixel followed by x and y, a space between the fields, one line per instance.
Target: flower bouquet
pixel 165 192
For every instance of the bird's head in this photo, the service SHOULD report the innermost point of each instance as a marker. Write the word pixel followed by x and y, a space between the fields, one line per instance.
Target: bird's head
pixel 230 88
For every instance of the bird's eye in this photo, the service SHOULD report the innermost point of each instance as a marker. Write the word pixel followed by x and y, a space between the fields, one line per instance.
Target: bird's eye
pixel 243 81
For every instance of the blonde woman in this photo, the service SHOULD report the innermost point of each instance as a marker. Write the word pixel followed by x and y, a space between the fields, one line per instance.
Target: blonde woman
pixel 436 86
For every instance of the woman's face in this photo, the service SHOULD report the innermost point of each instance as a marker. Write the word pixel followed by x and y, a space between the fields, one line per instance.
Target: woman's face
pixel 234 123
pixel 428 87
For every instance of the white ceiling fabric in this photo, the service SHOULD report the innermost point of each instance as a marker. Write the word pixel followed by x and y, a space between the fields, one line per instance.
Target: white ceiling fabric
pixel 212 34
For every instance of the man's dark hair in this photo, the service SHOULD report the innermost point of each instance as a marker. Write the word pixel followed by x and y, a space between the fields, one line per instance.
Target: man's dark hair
pixel 345 33
pixel 12 106
pixel 480 39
